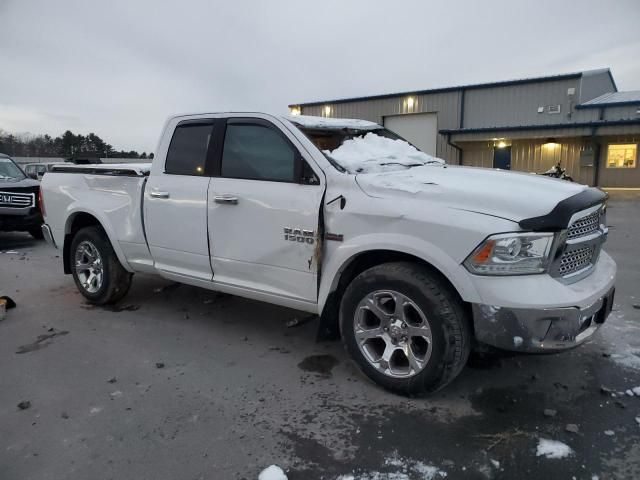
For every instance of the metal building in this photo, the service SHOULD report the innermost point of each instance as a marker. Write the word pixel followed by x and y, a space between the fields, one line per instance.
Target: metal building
pixel 579 119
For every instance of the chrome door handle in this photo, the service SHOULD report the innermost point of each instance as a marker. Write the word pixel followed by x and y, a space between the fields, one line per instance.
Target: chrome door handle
pixel 226 199
pixel 159 194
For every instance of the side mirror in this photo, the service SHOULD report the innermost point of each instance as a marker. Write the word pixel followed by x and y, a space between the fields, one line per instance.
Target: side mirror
pixel 32 175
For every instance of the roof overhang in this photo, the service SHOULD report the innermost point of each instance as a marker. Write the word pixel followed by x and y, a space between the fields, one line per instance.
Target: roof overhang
pixel 543 131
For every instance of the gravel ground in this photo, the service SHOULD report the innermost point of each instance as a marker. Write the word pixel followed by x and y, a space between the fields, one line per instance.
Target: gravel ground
pixel 178 382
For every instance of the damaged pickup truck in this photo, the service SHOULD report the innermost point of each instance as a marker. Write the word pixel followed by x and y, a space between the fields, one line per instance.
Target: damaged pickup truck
pixel 411 261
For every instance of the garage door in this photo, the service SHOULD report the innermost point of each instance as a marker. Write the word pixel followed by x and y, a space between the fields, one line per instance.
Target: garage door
pixel 421 129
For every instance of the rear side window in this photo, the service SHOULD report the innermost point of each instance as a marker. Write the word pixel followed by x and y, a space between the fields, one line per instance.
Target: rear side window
pixel 187 153
pixel 257 152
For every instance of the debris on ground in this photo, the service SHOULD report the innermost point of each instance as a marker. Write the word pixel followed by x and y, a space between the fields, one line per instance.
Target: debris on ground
pixel 636 391
pixel 609 433
pixel 638 420
pixel 112 380
pixel 296 322
pixel 159 364
pixel 572 428
pixel 64 415
pixel 8 302
pixel 272 472
pixel 550 412
pixel 25 404
pixel 553 449
pixel 605 390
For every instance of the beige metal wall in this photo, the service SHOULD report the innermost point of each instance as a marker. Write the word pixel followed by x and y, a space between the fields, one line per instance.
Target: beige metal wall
pixel 445 104
pixel 534 156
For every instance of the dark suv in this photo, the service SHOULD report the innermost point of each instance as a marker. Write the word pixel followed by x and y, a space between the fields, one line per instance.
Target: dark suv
pixel 19 202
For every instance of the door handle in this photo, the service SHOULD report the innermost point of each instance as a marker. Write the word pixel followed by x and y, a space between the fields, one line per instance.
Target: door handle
pixel 226 199
pixel 159 194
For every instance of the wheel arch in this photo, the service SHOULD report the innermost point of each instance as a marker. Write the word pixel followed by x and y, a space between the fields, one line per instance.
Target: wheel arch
pixel 329 303
pixel 81 219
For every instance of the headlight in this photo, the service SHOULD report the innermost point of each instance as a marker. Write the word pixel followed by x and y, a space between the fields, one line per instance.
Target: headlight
pixel 511 254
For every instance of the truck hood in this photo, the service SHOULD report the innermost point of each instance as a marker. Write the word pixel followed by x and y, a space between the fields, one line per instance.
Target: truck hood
pixel 510 195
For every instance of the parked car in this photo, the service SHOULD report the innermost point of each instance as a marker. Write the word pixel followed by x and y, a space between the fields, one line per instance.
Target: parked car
pixel 412 261
pixel 37 170
pixel 19 204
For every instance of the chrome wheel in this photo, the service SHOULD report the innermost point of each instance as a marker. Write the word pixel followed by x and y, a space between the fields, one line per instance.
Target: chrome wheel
pixel 393 333
pixel 89 267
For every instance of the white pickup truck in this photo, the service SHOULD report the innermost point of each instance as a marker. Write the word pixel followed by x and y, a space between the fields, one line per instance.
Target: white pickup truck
pixel 411 261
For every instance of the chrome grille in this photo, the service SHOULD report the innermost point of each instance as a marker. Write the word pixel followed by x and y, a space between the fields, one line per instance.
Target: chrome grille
pixel 16 200
pixel 575 260
pixel 584 226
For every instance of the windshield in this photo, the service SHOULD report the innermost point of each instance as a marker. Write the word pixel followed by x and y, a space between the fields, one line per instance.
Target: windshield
pixel 367 150
pixel 10 171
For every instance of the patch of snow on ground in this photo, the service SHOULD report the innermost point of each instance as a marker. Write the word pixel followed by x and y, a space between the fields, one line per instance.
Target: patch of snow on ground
pixel 373 153
pixel 272 472
pixel 553 449
pixel 636 391
pixel 428 472
pixel 628 359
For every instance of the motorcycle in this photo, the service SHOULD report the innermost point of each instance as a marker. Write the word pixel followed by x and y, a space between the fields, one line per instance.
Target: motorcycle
pixel 557 172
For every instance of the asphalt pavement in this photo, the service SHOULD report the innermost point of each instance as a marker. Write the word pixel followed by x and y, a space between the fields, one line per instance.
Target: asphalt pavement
pixel 178 382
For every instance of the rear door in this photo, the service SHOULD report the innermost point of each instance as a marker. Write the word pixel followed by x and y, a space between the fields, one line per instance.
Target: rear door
pixel 264 203
pixel 175 203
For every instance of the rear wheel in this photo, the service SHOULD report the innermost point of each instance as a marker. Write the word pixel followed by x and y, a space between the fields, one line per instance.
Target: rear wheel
pixel 405 328
pixel 98 274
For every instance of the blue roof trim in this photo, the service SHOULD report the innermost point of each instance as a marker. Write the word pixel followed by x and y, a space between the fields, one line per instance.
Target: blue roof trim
pixel 503 83
pixel 602 123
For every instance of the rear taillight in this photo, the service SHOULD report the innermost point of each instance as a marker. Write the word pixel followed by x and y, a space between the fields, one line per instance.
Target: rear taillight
pixel 41 202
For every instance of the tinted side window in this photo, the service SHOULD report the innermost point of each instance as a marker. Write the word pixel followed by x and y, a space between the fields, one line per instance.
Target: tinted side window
pixel 187 153
pixel 257 152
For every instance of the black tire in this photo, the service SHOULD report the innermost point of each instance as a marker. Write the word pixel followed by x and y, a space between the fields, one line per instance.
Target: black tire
pixel 443 309
pixel 36 233
pixel 115 279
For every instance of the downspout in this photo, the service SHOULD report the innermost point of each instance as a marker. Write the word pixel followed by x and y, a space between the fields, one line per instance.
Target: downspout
pixel 460 126
pixel 596 151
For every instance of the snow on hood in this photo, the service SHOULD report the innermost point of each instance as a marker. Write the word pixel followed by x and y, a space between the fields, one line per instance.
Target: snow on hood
pixel 510 195
pixel 307 121
pixel 374 153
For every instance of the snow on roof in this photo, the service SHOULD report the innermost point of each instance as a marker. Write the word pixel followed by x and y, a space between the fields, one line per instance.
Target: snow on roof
pixel 307 121
pixel 614 97
pixel 373 153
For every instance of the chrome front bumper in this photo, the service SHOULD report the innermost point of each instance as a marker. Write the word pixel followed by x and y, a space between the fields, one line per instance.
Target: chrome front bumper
pixel 539 330
pixel 48 236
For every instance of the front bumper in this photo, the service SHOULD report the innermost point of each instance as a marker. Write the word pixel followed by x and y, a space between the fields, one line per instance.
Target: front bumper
pixel 547 315
pixel 20 223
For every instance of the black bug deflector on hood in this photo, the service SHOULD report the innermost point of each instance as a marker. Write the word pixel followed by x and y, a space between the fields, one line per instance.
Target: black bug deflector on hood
pixel 559 217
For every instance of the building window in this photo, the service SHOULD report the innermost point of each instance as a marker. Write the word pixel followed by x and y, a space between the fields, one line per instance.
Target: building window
pixel 622 155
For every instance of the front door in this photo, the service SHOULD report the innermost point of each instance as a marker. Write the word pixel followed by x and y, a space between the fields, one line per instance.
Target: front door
pixel 264 212
pixel 175 204
pixel 502 158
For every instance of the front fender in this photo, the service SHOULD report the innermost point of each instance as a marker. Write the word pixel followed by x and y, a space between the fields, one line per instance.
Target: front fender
pixel 339 256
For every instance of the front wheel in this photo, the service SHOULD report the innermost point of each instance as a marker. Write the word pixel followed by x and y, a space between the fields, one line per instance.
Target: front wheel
pixel 98 274
pixel 405 328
